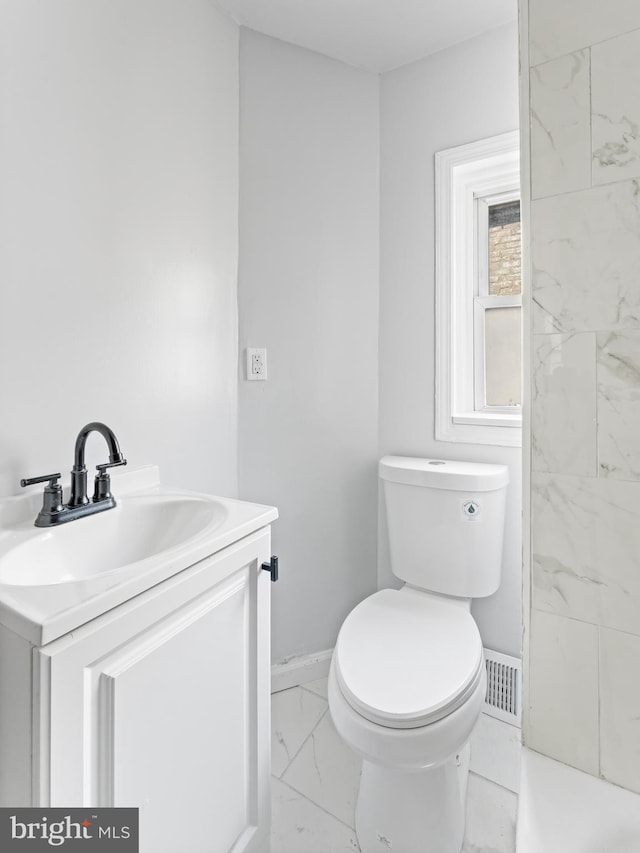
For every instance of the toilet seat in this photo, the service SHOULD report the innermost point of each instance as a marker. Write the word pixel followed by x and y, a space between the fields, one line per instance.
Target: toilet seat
pixel 405 659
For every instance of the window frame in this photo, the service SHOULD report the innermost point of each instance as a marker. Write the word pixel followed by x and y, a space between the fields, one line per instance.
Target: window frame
pixel 466 177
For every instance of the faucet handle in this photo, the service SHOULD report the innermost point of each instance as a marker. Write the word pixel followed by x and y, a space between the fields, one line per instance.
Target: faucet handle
pixel 102 484
pixel 51 499
pixel 31 481
pixel 103 467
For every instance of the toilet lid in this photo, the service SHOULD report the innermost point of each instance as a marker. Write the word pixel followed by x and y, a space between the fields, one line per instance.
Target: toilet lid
pixel 405 659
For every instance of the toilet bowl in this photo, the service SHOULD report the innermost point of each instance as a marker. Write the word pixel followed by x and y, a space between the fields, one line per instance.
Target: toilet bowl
pixel 407 679
pixel 410 723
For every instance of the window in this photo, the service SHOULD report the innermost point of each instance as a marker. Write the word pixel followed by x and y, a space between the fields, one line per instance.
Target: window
pixel 479 293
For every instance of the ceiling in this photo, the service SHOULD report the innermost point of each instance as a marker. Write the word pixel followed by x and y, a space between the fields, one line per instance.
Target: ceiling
pixel 376 35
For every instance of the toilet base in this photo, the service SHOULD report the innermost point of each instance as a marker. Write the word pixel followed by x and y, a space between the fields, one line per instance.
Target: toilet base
pixel 413 812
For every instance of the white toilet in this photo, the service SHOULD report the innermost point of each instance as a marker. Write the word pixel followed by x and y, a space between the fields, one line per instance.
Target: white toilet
pixel 407 680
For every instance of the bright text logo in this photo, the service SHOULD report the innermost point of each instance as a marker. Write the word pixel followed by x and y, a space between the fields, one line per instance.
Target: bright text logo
pixel 34 829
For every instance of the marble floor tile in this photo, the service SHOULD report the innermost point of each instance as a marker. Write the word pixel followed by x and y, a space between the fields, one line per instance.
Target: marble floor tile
pixel 491 818
pixel 299 826
pixel 495 752
pixel 319 686
pixel 314 800
pixel 294 715
pixel 327 772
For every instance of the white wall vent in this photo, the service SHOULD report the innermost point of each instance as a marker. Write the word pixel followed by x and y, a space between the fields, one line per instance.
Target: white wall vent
pixel 503 697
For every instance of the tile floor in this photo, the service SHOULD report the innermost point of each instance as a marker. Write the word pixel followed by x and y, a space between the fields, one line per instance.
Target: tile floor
pixel 315 784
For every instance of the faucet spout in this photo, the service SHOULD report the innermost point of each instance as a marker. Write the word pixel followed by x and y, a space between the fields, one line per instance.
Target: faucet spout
pixel 115 456
pixel 79 471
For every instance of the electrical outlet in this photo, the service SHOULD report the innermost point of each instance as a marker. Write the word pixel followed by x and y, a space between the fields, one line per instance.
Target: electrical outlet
pixel 256 364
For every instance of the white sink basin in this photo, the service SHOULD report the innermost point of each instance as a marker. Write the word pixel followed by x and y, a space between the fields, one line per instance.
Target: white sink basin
pixel 136 529
pixel 53 580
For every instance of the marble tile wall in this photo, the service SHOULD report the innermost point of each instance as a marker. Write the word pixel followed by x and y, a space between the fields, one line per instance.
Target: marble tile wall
pixel 584 634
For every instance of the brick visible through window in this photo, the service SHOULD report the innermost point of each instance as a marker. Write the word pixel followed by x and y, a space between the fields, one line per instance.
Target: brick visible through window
pixel 505 268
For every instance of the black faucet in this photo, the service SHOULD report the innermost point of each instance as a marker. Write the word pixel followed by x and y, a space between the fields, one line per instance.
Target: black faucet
pixel 54 511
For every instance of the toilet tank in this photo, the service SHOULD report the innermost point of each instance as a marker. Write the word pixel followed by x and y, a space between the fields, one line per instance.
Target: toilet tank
pixel 446 523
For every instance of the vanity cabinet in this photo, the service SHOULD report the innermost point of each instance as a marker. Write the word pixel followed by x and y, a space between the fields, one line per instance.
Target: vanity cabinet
pixel 161 703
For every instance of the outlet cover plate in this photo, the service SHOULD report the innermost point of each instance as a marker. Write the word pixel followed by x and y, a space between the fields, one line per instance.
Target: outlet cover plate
pixel 256 364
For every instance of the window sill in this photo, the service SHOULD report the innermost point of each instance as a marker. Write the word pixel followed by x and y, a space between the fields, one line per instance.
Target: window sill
pixel 475 428
pixel 512 420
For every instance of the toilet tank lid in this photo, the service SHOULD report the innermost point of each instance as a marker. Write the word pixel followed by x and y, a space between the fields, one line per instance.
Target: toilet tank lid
pixel 443 473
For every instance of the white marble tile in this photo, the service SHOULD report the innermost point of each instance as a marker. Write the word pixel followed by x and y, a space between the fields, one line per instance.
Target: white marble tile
pixel 586 259
pixel 495 752
pixel 560 125
pixel 299 826
pixel 585 545
pixel 319 686
pixel 327 772
pixel 563 690
pixel 615 82
pixel 620 708
pixel 491 818
pixel 294 713
pixel 619 405
pixel 556 28
pixel 563 405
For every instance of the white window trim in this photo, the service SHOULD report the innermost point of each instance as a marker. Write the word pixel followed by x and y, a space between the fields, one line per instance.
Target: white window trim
pixel 488 167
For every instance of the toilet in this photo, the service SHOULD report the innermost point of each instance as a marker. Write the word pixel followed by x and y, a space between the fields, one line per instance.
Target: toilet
pixel 407 680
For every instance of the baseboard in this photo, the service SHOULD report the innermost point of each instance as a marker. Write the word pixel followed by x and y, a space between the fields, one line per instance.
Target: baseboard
pixel 299 669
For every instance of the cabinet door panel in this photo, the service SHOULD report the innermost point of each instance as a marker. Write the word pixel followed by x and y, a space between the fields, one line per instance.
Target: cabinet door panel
pixel 164 705
pixel 177 728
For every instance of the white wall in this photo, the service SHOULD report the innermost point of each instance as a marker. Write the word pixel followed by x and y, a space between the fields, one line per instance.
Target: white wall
pixel 118 223
pixel 118 215
pixel 308 292
pixel 466 93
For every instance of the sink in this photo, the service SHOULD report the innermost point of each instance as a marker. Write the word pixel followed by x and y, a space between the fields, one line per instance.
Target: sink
pixel 137 529
pixel 52 580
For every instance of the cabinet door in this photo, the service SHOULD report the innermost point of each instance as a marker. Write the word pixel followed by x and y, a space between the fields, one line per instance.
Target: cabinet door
pixel 164 704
